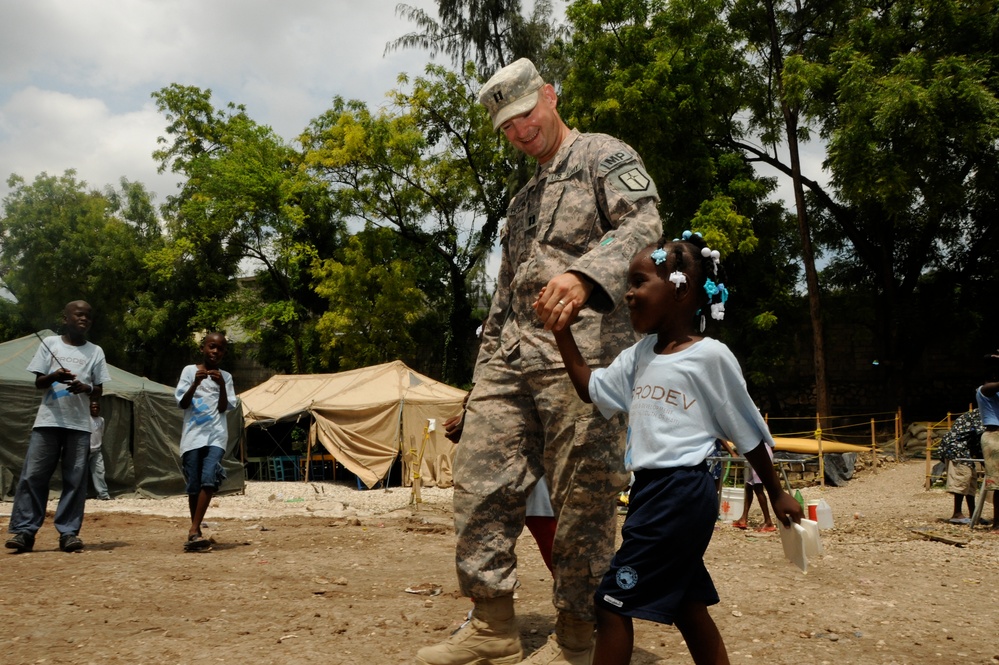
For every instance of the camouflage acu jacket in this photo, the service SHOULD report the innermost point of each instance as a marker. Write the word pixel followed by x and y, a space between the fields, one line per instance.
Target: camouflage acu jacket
pixel 588 210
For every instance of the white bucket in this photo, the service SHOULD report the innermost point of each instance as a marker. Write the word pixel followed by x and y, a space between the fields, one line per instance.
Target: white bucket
pixel 732 501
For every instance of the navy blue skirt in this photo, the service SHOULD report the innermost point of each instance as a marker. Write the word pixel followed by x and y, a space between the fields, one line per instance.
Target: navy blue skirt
pixel 660 565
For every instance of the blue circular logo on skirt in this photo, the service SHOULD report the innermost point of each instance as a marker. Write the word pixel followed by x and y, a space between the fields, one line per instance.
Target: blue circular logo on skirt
pixel 627 578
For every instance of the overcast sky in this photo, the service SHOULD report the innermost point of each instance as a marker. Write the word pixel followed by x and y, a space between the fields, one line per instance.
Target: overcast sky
pixel 76 75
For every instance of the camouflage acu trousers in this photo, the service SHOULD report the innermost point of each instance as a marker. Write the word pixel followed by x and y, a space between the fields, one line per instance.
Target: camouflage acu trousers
pixel 518 427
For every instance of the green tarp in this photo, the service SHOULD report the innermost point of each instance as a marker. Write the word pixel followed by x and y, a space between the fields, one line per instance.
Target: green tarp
pixel 142 426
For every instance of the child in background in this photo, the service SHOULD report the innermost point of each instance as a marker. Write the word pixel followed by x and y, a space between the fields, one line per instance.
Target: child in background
pixel 682 391
pixel 206 433
pixel 755 486
pixel 96 458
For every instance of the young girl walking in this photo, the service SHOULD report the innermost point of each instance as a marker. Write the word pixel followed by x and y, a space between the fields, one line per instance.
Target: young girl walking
pixel 681 391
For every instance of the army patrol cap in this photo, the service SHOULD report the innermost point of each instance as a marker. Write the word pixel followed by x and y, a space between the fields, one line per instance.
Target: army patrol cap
pixel 512 91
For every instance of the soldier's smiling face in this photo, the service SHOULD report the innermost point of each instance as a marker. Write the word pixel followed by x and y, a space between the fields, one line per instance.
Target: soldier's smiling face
pixel 536 133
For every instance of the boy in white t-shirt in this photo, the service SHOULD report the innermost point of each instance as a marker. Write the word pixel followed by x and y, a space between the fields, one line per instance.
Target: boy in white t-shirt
pixel 72 372
pixel 206 433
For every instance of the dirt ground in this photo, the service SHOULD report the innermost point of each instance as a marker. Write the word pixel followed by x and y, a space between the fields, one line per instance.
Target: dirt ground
pixel 301 583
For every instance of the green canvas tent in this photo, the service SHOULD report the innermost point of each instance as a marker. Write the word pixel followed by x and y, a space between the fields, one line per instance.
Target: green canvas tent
pixel 142 426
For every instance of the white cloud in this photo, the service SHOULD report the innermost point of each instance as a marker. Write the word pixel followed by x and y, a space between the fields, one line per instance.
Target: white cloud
pixel 46 131
pixel 76 77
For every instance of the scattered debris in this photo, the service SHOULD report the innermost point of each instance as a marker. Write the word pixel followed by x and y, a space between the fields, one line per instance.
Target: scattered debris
pixel 940 536
pixel 425 589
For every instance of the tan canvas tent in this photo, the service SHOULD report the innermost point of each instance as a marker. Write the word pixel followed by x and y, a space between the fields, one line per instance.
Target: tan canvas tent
pixel 365 417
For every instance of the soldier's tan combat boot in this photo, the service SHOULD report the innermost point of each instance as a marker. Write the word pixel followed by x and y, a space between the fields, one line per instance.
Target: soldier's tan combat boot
pixel 489 637
pixel 570 644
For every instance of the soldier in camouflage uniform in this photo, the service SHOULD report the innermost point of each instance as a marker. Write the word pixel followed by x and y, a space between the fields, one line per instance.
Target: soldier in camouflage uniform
pixel 571 231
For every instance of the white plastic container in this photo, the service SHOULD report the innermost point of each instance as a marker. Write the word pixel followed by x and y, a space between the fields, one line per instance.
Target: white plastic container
pixel 813 544
pixel 793 539
pixel 824 515
pixel 732 502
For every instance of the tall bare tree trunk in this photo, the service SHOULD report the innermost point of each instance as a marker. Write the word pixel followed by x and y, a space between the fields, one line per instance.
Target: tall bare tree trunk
pixel 807 256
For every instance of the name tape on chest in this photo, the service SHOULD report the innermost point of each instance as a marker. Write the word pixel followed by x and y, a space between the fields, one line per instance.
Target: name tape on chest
pixel 564 175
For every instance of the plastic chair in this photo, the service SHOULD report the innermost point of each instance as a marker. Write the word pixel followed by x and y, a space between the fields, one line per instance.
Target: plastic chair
pixel 277 468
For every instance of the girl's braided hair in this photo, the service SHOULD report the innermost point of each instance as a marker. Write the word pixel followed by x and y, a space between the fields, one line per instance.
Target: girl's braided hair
pixel 710 276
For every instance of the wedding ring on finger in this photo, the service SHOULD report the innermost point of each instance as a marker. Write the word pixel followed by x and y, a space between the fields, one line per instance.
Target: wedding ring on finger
pixel 561 302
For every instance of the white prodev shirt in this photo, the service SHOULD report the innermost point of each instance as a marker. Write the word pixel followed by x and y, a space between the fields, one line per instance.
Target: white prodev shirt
pixel 678 403
pixel 203 424
pixel 59 407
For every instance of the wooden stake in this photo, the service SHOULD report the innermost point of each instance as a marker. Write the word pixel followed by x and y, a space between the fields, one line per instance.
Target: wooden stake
pixel 874 448
pixel 818 438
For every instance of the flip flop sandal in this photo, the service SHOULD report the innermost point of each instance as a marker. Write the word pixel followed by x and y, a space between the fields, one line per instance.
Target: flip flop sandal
pixel 197 544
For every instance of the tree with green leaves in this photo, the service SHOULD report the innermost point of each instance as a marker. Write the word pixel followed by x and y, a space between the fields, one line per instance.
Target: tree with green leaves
pixel 903 94
pixel 490 33
pixel 245 204
pixel 905 97
pixel 776 33
pixel 375 301
pixel 664 77
pixel 908 101
pixel 64 241
pixel 427 168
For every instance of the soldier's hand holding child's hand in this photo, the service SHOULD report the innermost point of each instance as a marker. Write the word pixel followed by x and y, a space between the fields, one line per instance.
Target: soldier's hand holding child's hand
pixel 553 311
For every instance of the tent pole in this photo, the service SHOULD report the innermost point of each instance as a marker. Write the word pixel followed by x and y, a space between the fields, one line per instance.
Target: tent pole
pixel 308 452
pixel 417 498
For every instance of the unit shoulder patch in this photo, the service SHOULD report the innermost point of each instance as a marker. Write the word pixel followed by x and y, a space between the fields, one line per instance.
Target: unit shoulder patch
pixel 635 180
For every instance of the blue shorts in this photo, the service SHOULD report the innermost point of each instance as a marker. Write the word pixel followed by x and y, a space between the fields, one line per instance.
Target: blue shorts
pixel 203 468
pixel 660 565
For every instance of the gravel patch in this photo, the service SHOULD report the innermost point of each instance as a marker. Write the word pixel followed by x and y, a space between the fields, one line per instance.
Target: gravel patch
pixel 284 499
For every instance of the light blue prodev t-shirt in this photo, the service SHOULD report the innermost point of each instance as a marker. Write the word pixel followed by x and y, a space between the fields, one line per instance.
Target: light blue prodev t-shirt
pixel 203 424
pixel 678 404
pixel 59 407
